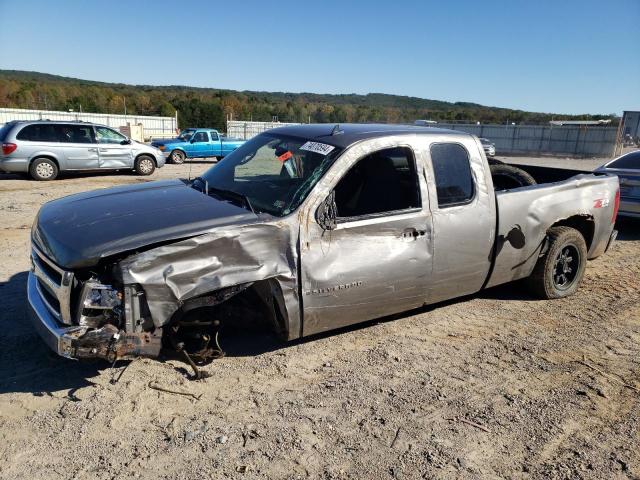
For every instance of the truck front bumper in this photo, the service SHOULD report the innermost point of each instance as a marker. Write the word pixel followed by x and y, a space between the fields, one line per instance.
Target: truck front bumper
pixel 59 338
pixel 83 342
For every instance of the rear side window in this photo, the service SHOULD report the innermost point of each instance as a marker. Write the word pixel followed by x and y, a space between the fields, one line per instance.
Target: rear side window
pixel 56 133
pixel 200 137
pixel 5 130
pixel 452 170
pixel 629 161
pixel 39 132
pixel 214 136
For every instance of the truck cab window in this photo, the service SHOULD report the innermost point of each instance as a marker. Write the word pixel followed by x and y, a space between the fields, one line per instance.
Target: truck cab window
pixel 384 181
pixel 214 136
pixel 452 170
pixel 200 137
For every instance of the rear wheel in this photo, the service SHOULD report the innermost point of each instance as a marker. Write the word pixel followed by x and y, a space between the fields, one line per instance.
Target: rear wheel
pixel 506 177
pixel 43 169
pixel 559 272
pixel 145 165
pixel 177 157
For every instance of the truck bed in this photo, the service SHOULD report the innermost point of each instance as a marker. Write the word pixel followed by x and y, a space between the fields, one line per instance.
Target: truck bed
pixel 570 196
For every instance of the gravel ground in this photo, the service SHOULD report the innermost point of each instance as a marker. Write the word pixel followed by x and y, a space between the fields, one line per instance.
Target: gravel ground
pixel 495 385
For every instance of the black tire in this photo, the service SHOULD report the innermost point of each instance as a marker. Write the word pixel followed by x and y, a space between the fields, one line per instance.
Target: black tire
pixel 145 165
pixel 43 169
pixel 559 271
pixel 177 157
pixel 506 177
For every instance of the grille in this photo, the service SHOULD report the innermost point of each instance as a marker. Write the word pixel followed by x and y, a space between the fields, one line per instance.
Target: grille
pixel 54 286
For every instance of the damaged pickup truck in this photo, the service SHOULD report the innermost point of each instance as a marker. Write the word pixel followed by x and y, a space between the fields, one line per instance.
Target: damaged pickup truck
pixel 308 228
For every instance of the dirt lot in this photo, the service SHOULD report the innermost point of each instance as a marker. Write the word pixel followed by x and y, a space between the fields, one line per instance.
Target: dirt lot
pixel 491 386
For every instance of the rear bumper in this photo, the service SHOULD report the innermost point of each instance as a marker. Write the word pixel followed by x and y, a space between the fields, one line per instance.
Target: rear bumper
pixel 14 165
pixel 59 338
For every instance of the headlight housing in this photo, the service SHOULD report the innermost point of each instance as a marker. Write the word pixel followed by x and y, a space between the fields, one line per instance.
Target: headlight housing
pixel 99 304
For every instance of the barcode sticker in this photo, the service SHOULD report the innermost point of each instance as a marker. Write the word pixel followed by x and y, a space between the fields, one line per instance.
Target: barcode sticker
pixel 321 148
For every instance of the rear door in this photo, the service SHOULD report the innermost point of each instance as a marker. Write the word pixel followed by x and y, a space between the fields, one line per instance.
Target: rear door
pixel 464 219
pixel 215 148
pixel 79 146
pixel 378 259
pixel 114 149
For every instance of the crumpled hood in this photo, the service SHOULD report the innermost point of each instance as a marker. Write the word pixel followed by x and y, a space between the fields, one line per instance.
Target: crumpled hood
pixel 78 230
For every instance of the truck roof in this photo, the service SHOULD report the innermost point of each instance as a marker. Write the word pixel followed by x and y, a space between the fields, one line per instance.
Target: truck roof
pixel 350 133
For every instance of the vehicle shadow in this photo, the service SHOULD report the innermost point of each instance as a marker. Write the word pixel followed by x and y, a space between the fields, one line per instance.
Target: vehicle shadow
pixel 628 228
pixel 26 363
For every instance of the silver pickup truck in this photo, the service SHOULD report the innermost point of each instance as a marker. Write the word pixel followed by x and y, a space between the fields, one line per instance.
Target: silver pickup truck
pixel 308 228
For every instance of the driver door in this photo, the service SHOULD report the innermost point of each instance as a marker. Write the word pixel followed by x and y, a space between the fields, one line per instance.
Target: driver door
pixel 200 145
pixel 113 154
pixel 378 259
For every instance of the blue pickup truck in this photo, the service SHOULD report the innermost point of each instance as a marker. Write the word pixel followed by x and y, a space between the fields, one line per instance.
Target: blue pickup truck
pixel 196 142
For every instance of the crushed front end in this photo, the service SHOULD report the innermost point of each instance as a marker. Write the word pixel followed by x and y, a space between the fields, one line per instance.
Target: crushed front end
pixel 87 314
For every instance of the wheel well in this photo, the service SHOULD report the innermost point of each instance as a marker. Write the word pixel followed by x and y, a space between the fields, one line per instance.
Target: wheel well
pixel 147 155
pixel 583 223
pixel 261 304
pixel 48 157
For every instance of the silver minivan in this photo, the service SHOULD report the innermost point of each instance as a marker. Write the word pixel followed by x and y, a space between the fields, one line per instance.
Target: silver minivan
pixel 44 148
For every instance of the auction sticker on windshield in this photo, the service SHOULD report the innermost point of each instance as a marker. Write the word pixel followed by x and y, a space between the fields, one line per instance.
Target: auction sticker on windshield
pixel 321 148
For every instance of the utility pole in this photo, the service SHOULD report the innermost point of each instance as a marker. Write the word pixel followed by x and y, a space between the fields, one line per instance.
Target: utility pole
pixel 124 100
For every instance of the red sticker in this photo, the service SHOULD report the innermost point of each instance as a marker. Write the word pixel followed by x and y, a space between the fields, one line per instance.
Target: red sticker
pixel 285 156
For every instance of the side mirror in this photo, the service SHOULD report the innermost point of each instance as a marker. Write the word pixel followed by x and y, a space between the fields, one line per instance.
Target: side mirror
pixel 126 141
pixel 327 212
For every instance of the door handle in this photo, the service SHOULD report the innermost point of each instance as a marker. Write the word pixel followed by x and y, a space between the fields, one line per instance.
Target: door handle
pixel 92 150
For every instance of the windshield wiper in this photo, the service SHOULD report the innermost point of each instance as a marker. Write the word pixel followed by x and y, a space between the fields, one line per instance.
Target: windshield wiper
pixel 234 195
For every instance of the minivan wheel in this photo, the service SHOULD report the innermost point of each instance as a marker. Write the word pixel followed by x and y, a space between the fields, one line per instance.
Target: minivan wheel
pixel 559 272
pixel 145 165
pixel 177 157
pixel 43 169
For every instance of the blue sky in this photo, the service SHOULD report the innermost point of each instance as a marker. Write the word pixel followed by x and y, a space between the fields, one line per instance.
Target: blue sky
pixel 569 56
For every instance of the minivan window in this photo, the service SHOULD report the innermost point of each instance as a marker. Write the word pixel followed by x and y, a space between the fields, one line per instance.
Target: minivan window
pixel 452 170
pixel 56 133
pixel 5 130
pixel 106 135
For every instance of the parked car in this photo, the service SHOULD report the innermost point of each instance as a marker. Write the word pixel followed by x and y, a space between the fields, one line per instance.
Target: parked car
pixel 627 168
pixel 308 227
pixel 45 148
pixel 489 147
pixel 197 142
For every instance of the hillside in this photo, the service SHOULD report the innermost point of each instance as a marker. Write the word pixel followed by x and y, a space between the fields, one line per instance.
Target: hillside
pixel 209 107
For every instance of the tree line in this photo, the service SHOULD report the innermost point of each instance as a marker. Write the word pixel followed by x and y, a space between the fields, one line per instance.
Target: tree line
pixel 211 107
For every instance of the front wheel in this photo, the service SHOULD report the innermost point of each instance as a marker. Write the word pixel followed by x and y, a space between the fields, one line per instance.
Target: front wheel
pixel 559 271
pixel 177 157
pixel 144 165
